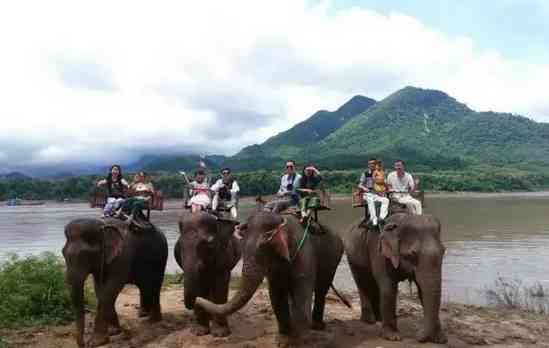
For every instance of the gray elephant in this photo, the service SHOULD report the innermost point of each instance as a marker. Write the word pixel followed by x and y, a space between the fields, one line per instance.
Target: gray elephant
pixel 408 248
pixel 207 252
pixel 296 265
pixel 114 253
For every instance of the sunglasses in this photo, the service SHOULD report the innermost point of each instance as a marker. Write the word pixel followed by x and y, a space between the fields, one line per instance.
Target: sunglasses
pixel 225 173
pixel 289 166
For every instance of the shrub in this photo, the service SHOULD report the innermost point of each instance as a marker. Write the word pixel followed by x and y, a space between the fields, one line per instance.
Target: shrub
pixel 33 292
pixel 512 294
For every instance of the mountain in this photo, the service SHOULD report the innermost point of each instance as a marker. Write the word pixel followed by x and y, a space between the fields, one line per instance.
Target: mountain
pixel 428 129
pixel 14 176
pixel 434 129
pixel 314 129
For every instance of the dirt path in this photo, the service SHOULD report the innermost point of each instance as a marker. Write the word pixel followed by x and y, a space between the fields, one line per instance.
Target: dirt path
pixel 255 326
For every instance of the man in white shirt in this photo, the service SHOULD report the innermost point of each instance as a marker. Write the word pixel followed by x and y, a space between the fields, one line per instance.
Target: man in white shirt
pixel 402 183
pixel 287 194
pixel 226 189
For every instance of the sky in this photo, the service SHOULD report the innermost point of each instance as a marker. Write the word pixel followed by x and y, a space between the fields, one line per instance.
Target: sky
pixel 103 81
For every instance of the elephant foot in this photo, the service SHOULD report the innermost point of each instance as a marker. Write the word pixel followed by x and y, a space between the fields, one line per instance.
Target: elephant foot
pixel 368 317
pixel 318 325
pixel 200 330
pixel 283 341
pixel 220 330
pixel 436 336
pixel 390 334
pixel 97 340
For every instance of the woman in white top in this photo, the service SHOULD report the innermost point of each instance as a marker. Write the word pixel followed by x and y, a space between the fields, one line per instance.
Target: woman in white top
pixel 200 192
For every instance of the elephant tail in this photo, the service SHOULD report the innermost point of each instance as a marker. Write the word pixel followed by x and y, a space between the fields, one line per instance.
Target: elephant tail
pixel 343 299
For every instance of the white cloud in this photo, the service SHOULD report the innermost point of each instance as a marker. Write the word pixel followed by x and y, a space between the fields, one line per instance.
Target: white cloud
pixel 106 80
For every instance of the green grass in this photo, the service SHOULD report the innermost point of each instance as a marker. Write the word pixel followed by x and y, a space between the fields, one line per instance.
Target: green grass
pixel 33 292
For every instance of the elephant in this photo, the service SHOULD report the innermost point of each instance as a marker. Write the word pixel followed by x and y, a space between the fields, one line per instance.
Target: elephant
pixel 296 264
pixel 207 251
pixel 115 253
pixel 407 248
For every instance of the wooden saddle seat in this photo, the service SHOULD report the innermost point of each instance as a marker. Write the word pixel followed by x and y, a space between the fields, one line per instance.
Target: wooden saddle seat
pixel 98 199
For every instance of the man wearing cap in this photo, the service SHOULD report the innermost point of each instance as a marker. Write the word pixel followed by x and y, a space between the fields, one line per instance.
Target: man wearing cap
pixel 226 189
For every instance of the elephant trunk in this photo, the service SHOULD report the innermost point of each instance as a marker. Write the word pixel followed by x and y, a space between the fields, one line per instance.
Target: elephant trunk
pixel 190 292
pixel 77 296
pixel 252 276
pixel 428 276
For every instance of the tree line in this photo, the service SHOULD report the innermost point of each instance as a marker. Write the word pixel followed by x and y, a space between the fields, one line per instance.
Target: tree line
pixel 263 182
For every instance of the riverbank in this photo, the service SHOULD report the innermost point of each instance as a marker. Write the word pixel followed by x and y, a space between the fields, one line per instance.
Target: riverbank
pixel 255 326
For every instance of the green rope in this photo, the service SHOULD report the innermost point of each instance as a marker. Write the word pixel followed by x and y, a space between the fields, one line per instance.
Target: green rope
pixel 300 245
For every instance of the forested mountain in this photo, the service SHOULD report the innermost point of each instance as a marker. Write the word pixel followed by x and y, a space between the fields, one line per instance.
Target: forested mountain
pixel 427 128
pixel 432 128
pixel 313 130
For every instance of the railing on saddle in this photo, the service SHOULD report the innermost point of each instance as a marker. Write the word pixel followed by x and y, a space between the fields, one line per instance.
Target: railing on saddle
pixel 98 199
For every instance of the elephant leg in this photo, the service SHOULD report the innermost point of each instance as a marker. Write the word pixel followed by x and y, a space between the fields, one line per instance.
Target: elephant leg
pixel 301 298
pixel 429 285
pixel 202 326
pixel 388 294
pixel 278 293
pixel 105 309
pixel 155 309
pixel 220 294
pixel 144 307
pixel 361 275
pixel 318 309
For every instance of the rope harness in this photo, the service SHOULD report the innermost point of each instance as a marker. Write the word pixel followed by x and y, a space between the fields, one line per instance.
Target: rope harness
pixel 276 230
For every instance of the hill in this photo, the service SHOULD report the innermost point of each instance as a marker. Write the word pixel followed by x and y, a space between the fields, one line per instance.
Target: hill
pixel 427 128
pixel 314 129
pixel 432 128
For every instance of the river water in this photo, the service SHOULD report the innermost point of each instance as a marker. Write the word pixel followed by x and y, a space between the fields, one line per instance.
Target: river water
pixel 486 235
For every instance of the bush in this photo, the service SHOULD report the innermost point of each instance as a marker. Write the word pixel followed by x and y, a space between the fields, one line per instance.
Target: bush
pixel 512 294
pixel 33 292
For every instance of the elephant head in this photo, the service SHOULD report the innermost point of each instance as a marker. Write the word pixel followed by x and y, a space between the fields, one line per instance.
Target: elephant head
pixel 395 242
pixel 266 245
pixel 203 241
pixel 90 246
pixel 413 243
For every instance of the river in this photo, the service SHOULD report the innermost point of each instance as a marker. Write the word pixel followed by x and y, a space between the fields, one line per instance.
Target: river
pixel 486 235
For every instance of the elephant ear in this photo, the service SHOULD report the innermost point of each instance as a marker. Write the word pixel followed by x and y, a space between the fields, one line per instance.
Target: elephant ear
pixel 277 239
pixel 112 243
pixel 389 244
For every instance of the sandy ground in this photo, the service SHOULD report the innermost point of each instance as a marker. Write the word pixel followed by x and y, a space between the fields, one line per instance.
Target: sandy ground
pixel 255 326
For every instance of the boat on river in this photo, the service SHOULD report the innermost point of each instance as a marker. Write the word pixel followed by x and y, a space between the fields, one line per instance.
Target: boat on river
pixel 23 202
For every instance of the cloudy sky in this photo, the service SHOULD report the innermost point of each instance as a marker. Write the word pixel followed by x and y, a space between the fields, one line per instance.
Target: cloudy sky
pixel 103 81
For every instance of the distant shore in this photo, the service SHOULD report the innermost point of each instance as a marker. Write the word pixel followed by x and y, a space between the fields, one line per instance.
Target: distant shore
pixel 248 201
